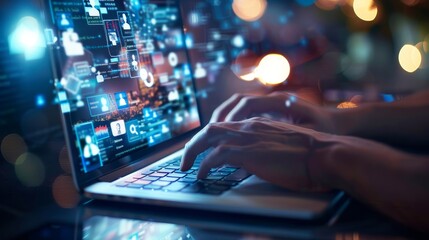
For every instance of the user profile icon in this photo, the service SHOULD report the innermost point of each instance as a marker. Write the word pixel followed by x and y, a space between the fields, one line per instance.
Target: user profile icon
pixel 118 128
pixel 121 99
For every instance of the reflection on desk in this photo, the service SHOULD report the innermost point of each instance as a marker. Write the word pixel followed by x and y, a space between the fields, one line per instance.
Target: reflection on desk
pixel 104 220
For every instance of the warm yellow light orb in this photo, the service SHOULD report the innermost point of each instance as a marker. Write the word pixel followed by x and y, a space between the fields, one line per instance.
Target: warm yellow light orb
pixel 410 58
pixel 248 77
pixel 273 69
pixel 365 9
pixel 249 10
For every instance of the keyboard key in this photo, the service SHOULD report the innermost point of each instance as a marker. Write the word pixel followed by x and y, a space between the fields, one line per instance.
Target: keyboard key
pixel 166 170
pixel 156 168
pixel 130 180
pixel 192 175
pixel 143 182
pixel 132 185
pixel 227 169
pixel 220 174
pixel 177 175
pixel 137 176
pixel 193 188
pixel 149 178
pixel 185 172
pixel 238 175
pixel 211 177
pixel 146 172
pixel 168 179
pixel 177 186
pixel 158 174
pixel 206 181
pixel 153 187
pixel 160 183
pixel 172 167
pixel 187 180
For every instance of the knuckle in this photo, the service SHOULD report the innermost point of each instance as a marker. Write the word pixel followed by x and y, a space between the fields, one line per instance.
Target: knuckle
pixel 211 128
pixel 220 149
pixel 255 120
pixel 252 124
pixel 245 101
pixel 217 112
pixel 248 100
pixel 237 96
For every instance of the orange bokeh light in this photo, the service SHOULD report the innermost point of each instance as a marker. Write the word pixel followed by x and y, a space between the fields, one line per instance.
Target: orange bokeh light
pixel 347 105
pixel 64 192
pixel 249 10
pixel 12 146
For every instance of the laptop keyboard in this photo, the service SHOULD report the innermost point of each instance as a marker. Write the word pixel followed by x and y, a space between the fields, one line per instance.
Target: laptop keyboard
pixel 169 177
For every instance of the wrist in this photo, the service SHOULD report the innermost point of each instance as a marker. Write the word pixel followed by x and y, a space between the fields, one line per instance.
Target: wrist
pixel 321 168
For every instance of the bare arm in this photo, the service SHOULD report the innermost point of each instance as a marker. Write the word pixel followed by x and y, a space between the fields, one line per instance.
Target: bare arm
pixel 394 182
pixel 404 122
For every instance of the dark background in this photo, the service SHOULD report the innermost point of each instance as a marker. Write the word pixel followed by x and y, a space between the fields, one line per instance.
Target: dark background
pixel 333 55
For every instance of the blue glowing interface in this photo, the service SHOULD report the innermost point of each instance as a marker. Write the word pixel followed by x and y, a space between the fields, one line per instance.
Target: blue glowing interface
pixel 126 81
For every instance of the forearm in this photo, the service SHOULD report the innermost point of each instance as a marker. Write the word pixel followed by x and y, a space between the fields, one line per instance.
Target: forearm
pixel 391 181
pixel 396 123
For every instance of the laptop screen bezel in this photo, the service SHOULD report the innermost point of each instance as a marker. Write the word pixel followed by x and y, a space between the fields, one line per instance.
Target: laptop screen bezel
pixel 82 179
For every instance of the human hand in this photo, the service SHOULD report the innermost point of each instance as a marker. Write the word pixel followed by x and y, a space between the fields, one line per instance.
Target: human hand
pixel 278 105
pixel 275 151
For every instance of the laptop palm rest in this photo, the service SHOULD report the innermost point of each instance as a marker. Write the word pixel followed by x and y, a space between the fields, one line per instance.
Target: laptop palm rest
pixel 253 196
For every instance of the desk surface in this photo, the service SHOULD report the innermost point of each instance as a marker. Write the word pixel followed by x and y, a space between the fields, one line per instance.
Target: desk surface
pixel 113 220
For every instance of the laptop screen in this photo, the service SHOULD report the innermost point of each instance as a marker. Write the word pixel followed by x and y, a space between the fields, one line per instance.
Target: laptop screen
pixel 124 79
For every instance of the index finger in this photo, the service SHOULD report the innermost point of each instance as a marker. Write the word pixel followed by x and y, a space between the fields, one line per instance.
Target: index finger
pixel 203 140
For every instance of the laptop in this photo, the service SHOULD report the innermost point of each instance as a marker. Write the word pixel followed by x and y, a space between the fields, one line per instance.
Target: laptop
pixel 125 86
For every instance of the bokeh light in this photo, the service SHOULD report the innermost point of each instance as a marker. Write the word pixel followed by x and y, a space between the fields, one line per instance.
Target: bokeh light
pixel 30 170
pixel 365 9
pixel 326 4
pixel 64 160
pixel 410 58
pixel 359 47
pixel 273 69
pixel 410 2
pixel 305 3
pixel 64 192
pixel 249 10
pixel 423 48
pixel 244 65
pixel 347 105
pixel 248 77
pixel 28 39
pixel 12 146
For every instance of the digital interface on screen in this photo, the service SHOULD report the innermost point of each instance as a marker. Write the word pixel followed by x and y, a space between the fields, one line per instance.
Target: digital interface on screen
pixel 126 81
